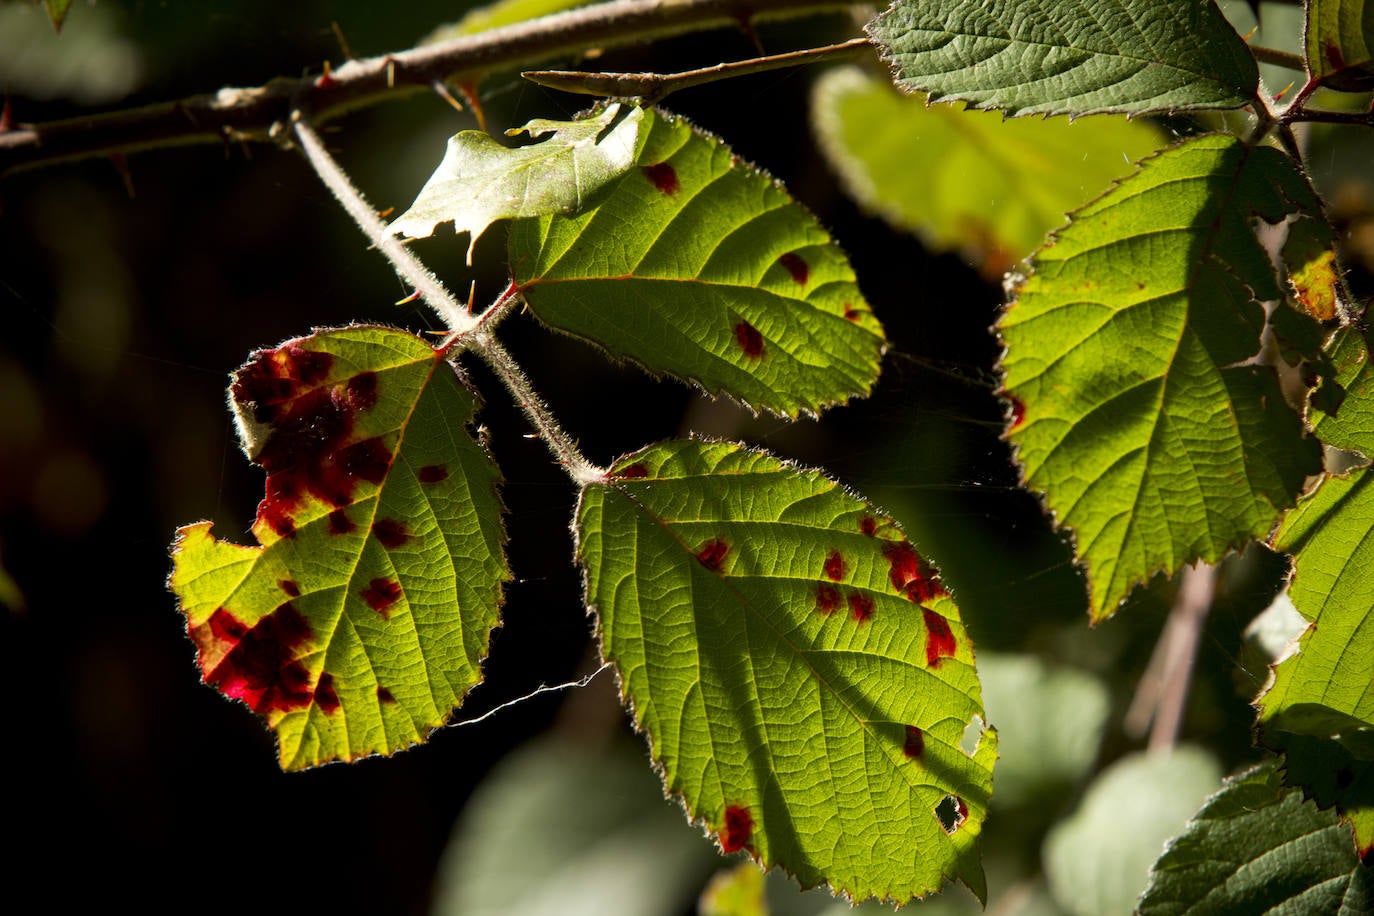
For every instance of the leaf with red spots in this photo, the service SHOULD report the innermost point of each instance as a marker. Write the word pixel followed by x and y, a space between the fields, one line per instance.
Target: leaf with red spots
pixel 1146 424
pixel 480 181
pixel 800 691
pixel 699 266
pixel 361 617
pixel 1340 43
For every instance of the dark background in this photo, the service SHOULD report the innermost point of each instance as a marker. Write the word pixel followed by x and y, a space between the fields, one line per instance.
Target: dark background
pixel 125 312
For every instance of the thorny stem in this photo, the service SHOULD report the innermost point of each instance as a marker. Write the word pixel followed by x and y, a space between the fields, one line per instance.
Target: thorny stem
pixel 435 294
pixel 475 332
pixel 654 87
pixel 263 113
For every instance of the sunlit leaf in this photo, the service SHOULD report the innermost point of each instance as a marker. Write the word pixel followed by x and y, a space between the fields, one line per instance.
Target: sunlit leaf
pixel 1098 859
pixel 1135 412
pixel 480 181
pixel 1352 383
pixel 698 265
pixel 802 675
pixel 1339 41
pixel 1080 57
pixel 361 616
pixel 1257 847
pixel 968 180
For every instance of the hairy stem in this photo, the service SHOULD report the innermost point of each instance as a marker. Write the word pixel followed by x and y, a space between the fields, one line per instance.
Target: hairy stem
pixel 263 113
pixel 454 315
pixel 1278 58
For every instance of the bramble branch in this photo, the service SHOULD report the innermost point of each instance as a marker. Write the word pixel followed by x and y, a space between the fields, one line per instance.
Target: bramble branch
pixel 263 113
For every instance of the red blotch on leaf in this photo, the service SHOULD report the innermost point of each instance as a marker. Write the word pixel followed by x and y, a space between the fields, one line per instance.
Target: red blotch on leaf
pixel 712 554
pixel 381 594
pixel 390 532
pixel 1334 59
pixel 860 607
pixel 797 267
pixel 325 696
pixel 1018 412
pixel 749 339
pixel 939 640
pixel 432 473
pixel 340 523
pixel 910 575
pixel 257 664
pixel 290 587
pixel 739 827
pixel 868 525
pixel 915 744
pixel 834 566
pixel 850 312
pixel 664 177
pixel 827 599
pixel 384 695
pixel 361 390
pixel 633 472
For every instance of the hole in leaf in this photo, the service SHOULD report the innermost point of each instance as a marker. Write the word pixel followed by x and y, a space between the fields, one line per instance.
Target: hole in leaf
pixel 951 812
pixel 973 736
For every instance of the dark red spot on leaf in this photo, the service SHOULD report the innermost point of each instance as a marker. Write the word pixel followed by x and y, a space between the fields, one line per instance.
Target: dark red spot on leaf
pixel 860 607
pixel 1018 412
pixel 290 587
pixel 325 696
pixel 340 523
pixel 797 267
pixel 432 473
pixel 362 390
pixel 384 695
pixel 915 744
pixel 939 640
pixel 739 827
pixel 749 339
pixel 381 594
pixel 868 525
pixel 850 312
pixel 712 554
pixel 258 664
pixel 390 532
pixel 827 599
pixel 663 176
pixel 1367 855
pixel 910 575
pixel 834 566
pixel 1334 59
pixel 633 472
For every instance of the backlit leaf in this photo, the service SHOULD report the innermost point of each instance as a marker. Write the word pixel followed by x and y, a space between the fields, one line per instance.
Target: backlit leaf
pixel 480 181
pixel 495 15
pixel 1339 41
pixel 1134 411
pixel 1257 847
pixel 361 616
pixel 802 675
pixel 968 180
pixel 698 265
pixel 57 11
pixel 1342 411
pixel 1070 56
pixel 738 891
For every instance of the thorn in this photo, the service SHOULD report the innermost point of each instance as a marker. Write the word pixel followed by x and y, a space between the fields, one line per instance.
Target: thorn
pixel 326 79
pixel 383 214
pixel 413 297
pixel 390 71
pixel 343 42
pixel 1280 94
pixel 6 115
pixel 472 295
pixel 469 91
pixel 442 91
pixel 1250 34
pixel 746 24
pixel 122 165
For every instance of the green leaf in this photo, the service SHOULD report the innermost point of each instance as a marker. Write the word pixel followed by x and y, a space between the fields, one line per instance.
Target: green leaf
pixel 1258 847
pixel 1098 859
pixel 57 12
pixel 1079 57
pixel 1342 412
pixel 1049 725
pixel 1339 40
pixel 362 615
pixel 738 891
pixel 803 677
pixel 1135 411
pixel 564 828
pixel 698 265
pixel 967 180
pixel 495 15
pixel 480 181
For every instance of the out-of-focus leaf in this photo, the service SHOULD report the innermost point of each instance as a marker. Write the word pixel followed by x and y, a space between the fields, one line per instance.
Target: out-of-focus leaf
pixel 1084 57
pixel 1098 859
pixel 90 62
pixel 480 181
pixel 361 617
pixel 735 892
pixel 1257 847
pixel 561 829
pixel 495 15
pixel 1340 43
pixel 57 11
pixel 699 265
pixel 1136 412
pixel 801 673
pixel 967 179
